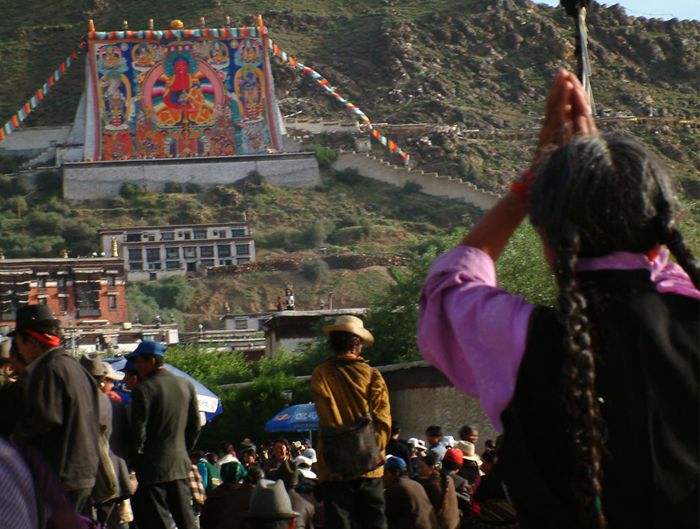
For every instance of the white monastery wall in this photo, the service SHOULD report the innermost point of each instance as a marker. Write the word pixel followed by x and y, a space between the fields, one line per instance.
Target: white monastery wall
pixel 85 181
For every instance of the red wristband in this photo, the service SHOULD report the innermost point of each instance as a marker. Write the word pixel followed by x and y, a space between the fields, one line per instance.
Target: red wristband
pixel 522 185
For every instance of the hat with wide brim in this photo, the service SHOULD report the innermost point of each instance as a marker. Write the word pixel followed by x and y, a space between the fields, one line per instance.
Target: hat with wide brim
pixel 93 365
pixel 37 317
pixel 353 325
pixel 270 501
pixel 469 451
pixel 110 373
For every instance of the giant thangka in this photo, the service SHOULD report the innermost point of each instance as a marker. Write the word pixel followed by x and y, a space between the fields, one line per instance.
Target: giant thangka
pixel 179 93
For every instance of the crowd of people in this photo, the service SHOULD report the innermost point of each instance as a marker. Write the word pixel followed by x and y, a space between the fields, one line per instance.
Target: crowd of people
pixel 73 453
pixel 437 483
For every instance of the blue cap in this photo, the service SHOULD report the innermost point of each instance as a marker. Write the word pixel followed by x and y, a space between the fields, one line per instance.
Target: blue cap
pixel 130 365
pixel 148 348
pixel 394 463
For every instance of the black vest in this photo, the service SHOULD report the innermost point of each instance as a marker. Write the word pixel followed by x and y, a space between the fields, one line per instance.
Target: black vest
pixel 647 372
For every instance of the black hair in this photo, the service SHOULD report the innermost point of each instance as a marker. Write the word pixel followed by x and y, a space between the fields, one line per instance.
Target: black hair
pixel 489 456
pixel 467 429
pixel 434 431
pixel 431 458
pixel 284 442
pixel 594 196
pixel 396 471
pixel 395 428
pixel 341 342
pixel 255 474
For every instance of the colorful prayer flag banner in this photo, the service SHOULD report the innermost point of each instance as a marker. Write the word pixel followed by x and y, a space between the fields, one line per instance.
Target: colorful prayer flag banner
pixel 287 59
pixel 33 102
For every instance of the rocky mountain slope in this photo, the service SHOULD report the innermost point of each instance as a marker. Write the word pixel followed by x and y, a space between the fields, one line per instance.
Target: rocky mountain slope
pixel 457 66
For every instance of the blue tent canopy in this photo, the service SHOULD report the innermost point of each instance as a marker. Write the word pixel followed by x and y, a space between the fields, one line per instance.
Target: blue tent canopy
pixel 297 418
pixel 209 403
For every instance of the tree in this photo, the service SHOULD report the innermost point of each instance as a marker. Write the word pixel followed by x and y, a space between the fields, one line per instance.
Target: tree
pixel 521 269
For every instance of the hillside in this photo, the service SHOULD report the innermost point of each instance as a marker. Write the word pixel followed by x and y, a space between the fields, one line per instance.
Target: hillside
pixel 459 65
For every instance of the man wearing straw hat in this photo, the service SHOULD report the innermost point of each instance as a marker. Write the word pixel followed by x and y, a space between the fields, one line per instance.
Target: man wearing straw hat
pixel 346 389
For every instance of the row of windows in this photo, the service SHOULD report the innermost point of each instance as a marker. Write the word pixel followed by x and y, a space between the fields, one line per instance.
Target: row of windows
pixel 188 252
pixel 62 281
pixel 187 235
pixel 177 265
pixel 63 302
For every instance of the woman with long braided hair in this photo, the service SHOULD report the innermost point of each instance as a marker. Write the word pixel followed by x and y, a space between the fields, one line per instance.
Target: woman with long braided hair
pixel 597 399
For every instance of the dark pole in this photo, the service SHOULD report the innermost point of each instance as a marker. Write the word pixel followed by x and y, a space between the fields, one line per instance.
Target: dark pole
pixel 578 9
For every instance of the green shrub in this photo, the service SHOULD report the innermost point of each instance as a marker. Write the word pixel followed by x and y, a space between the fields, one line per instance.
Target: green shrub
pixel 466 171
pixel 170 293
pixel 254 177
pixel 316 234
pixel 192 187
pixel 347 236
pixel 325 156
pixel 288 239
pixel 50 183
pixel 10 187
pixel 316 270
pixel 172 187
pixel 45 223
pixel 412 187
pixel 348 176
pixel 128 191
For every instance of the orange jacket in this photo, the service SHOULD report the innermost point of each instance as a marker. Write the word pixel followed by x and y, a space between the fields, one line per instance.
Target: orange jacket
pixel 339 387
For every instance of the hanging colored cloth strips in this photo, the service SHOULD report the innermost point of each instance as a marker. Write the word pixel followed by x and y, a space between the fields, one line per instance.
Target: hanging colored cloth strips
pixel 33 102
pixel 285 58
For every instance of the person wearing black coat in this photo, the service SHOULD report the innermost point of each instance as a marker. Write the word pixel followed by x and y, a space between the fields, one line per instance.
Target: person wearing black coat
pixel 407 504
pixel 165 426
pixel 60 418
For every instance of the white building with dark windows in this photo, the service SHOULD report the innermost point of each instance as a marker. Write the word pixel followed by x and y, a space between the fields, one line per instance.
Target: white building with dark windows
pixel 155 252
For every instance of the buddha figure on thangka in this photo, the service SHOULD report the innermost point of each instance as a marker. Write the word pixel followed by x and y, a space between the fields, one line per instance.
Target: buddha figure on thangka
pixel 178 98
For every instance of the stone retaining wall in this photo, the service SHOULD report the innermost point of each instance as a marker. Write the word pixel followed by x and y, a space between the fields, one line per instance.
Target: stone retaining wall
pixel 350 262
pixel 85 181
pixel 433 184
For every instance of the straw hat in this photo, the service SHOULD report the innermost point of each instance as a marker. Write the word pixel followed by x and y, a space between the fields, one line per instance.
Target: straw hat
pixel 469 450
pixel 353 325
pixel 110 373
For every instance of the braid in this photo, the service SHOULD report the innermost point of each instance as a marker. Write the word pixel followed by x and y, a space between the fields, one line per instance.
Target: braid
pixel 682 253
pixel 595 196
pixel 673 238
pixel 578 373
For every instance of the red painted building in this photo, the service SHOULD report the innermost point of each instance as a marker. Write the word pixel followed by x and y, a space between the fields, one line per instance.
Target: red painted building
pixel 74 289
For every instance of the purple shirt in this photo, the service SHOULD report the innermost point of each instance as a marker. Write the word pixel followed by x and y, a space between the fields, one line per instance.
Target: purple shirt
pixel 476 333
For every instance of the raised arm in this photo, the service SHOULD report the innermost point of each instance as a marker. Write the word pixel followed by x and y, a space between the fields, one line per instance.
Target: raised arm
pixel 567 114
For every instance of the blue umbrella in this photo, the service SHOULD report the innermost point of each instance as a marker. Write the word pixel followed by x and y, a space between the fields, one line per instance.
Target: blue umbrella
pixel 209 403
pixel 297 418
